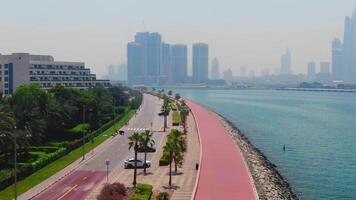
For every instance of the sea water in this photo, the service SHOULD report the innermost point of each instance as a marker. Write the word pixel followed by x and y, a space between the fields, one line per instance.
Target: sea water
pixel 317 128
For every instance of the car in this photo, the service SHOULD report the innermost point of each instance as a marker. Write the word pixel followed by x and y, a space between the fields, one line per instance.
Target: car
pixel 149 149
pixel 130 163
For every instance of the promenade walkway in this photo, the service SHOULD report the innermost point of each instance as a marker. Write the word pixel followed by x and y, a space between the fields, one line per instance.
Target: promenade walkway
pixel 223 172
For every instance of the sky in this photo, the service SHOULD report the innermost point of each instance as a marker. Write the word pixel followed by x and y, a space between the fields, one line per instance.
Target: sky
pixel 249 33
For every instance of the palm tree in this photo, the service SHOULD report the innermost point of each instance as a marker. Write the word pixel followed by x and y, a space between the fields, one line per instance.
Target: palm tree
pixel 170 147
pixel 145 143
pixel 180 145
pixel 134 141
pixel 165 110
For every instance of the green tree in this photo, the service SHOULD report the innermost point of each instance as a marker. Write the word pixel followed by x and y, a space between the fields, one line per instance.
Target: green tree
pixel 134 141
pixel 165 110
pixel 170 147
pixel 184 112
pixel 28 113
pixel 175 137
pixel 170 92
pixel 6 126
pixel 146 142
pixel 177 96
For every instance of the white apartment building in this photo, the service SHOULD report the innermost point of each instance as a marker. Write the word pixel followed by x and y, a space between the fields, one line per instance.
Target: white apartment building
pixel 20 68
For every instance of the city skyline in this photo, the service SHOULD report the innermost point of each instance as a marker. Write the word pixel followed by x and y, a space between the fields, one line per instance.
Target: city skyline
pixel 106 34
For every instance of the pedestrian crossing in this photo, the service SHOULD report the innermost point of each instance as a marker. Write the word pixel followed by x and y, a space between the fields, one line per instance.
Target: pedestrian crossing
pixel 137 129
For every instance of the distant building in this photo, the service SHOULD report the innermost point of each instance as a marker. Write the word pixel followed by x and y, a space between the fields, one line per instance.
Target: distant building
pixel 166 63
pixel 20 68
pixel 311 70
pixel 147 47
pixel 325 68
pixel 227 75
pixel 135 63
pixel 215 69
pixel 117 73
pixel 179 65
pixel 338 70
pixel 200 62
pixel 324 76
pixel 286 63
pixel 265 72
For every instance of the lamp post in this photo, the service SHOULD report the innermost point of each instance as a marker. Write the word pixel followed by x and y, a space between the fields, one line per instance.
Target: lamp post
pixel 14 139
pixel 83 148
pixel 107 170
pixel 15 164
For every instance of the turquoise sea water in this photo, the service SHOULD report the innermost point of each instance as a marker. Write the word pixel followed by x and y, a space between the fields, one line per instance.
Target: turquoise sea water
pixel 318 129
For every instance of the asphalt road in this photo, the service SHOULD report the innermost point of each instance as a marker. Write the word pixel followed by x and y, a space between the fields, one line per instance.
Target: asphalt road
pixel 83 180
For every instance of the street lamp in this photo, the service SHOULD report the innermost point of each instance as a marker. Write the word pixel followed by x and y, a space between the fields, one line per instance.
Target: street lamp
pixel 107 162
pixel 14 139
pixel 83 148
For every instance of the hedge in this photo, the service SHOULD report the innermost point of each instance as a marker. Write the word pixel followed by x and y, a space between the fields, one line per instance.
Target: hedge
pixel 164 160
pixel 176 118
pixel 142 192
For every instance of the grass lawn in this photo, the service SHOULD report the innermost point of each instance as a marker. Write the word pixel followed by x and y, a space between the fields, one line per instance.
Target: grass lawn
pixel 46 172
pixel 176 118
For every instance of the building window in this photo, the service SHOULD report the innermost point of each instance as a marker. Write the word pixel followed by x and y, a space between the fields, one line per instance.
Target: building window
pixel 6 91
pixel 6 85
pixel 6 72
pixel 6 78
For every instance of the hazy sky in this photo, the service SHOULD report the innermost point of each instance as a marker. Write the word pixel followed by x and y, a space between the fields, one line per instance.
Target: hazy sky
pixel 250 33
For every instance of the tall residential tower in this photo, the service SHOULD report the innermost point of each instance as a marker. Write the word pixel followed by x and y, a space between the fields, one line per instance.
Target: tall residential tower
pixel 200 62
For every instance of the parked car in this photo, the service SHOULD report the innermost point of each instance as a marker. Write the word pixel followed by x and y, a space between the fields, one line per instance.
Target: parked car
pixel 149 149
pixel 130 163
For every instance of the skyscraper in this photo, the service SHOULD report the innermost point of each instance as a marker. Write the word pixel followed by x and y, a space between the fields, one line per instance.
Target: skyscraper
pixel 338 70
pixel 200 62
pixel 311 70
pixel 215 71
pixel 135 63
pixel 349 48
pixel 178 73
pixel 152 44
pixel 166 62
pixel 227 75
pixel 286 63
pixel 148 48
pixel 325 68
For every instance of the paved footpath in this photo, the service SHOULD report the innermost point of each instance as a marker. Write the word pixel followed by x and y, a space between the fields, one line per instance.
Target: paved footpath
pixel 183 182
pixel 223 171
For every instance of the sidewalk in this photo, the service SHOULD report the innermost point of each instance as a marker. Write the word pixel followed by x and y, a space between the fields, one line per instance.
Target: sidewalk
pixel 158 176
pixel 223 171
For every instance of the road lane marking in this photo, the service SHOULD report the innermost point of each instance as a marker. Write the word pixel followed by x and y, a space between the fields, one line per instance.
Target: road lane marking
pixel 68 191
pixel 84 178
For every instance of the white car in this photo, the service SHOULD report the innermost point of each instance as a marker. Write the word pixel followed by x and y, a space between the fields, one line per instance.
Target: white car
pixel 130 163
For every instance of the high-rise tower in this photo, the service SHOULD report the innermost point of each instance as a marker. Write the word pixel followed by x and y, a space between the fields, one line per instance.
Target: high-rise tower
pixel 200 62
pixel 178 73
pixel 215 71
pixel 286 63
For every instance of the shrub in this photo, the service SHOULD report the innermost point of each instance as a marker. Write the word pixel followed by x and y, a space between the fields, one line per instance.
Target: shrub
pixel 164 161
pixel 79 129
pixel 114 191
pixel 163 196
pixel 142 192
pixel 176 118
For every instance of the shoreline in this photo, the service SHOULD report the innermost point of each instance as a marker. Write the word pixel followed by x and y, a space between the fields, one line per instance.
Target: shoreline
pixel 268 182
